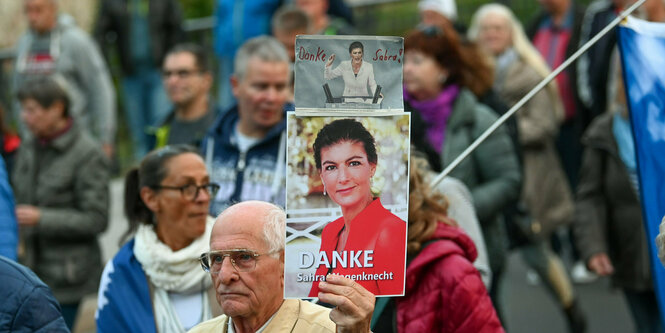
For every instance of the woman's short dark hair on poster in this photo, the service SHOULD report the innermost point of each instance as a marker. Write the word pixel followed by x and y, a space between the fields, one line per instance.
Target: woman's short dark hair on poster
pixel 150 173
pixel 343 130
pixel 356 45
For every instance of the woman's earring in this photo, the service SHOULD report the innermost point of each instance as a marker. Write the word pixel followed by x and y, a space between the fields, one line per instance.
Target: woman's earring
pixel 443 78
pixel 324 191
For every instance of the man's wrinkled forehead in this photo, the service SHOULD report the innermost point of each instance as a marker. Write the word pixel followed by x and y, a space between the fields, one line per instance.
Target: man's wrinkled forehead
pixel 239 226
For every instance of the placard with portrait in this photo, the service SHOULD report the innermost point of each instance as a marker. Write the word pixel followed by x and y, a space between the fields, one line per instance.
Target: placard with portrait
pixel 348 73
pixel 347 202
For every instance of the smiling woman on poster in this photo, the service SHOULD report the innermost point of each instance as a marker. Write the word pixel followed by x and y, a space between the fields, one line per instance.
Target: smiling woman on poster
pixel 346 159
pixel 357 74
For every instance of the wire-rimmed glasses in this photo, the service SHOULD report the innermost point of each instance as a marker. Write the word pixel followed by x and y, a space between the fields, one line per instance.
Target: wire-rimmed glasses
pixel 243 260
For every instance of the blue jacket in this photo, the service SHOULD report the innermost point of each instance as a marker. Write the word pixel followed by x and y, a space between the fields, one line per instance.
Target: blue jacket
pixel 258 174
pixel 240 20
pixel 124 303
pixel 27 303
pixel 8 225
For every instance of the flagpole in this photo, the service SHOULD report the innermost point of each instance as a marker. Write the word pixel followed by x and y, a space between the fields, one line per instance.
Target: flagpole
pixel 534 91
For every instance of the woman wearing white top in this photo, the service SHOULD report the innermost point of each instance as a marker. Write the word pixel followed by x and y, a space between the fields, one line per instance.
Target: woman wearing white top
pixel 357 75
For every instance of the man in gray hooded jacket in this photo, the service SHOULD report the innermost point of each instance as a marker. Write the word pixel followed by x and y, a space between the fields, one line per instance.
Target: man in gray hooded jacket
pixel 54 44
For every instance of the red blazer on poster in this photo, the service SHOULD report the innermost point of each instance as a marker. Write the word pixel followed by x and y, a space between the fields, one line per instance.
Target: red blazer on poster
pixel 375 228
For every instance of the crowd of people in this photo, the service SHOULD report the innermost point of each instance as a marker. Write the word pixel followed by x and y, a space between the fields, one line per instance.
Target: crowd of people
pixel 211 169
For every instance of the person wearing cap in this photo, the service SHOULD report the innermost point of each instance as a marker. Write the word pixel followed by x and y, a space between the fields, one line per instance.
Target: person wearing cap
pixel 440 12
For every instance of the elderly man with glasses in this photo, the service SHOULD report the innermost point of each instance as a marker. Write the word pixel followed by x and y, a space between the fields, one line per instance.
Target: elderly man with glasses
pixel 250 284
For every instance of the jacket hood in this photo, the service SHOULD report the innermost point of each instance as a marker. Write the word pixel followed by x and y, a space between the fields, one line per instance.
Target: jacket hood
pixel 599 133
pixel 66 20
pixel 447 240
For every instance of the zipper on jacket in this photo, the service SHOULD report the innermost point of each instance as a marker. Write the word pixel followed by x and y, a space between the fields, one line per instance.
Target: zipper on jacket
pixel 241 161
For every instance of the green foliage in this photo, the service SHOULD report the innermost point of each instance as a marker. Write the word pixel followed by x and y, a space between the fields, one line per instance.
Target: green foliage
pixel 397 17
pixel 197 8
pixel 387 19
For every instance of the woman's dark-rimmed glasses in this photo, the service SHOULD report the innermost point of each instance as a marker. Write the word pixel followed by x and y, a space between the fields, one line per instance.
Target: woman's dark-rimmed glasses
pixel 191 191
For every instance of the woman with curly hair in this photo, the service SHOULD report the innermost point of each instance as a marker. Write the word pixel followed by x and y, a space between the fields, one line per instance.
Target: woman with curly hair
pixel 444 292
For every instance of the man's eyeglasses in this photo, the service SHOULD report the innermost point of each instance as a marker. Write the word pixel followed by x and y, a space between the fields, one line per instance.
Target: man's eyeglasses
pixel 180 73
pixel 191 191
pixel 242 260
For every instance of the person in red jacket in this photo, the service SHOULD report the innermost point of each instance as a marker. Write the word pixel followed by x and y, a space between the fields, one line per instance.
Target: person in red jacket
pixel 444 292
pixel 346 158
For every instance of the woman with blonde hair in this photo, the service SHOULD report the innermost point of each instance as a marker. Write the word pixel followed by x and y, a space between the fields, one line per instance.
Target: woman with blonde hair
pixel 495 40
pixel 545 191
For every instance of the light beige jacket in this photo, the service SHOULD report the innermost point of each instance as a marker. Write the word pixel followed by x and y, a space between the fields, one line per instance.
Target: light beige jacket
pixel 293 316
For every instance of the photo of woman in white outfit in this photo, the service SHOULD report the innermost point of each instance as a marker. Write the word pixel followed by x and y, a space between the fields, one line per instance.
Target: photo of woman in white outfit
pixel 358 75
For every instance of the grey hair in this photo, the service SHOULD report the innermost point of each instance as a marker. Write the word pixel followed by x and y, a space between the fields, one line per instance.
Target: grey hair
pixel 521 45
pixel 265 48
pixel 274 229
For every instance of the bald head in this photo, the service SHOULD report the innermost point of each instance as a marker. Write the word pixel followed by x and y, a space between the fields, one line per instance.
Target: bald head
pixel 252 220
pixel 42 14
pixel 251 295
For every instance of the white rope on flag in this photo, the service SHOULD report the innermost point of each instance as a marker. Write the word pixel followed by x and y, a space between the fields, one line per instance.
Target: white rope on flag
pixel 534 91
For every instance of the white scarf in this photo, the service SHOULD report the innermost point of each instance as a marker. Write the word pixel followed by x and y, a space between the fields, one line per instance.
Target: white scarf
pixel 170 271
pixel 177 271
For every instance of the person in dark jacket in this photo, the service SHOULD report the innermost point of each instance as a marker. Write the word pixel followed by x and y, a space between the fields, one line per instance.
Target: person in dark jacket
pixel 27 303
pixel 608 226
pixel 143 31
pixel 188 80
pixel 438 83
pixel 245 148
pixel 593 66
pixel 60 181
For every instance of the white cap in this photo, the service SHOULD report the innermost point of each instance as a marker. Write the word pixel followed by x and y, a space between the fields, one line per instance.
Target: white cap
pixel 447 8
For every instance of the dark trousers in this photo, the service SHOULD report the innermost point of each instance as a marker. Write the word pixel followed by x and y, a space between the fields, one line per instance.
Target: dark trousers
pixel 644 308
pixel 69 312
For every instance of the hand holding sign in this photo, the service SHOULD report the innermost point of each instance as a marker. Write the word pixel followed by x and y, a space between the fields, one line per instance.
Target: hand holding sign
pixel 354 305
pixel 330 60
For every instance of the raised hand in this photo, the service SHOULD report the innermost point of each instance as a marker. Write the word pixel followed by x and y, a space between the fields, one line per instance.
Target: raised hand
pixel 354 305
pixel 330 60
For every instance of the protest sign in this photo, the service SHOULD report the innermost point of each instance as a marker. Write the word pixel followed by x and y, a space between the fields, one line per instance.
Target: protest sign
pixel 347 202
pixel 349 73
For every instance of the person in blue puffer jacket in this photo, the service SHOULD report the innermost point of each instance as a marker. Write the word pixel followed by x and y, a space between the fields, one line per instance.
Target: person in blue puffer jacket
pixel 8 224
pixel 27 303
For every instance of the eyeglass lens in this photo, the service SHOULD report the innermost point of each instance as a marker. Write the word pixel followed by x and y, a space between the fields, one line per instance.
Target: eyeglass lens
pixel 191 191
pixel 242 261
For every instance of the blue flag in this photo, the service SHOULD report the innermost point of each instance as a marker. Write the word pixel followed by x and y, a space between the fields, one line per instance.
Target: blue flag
pixel 642 46
pixel 124 300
